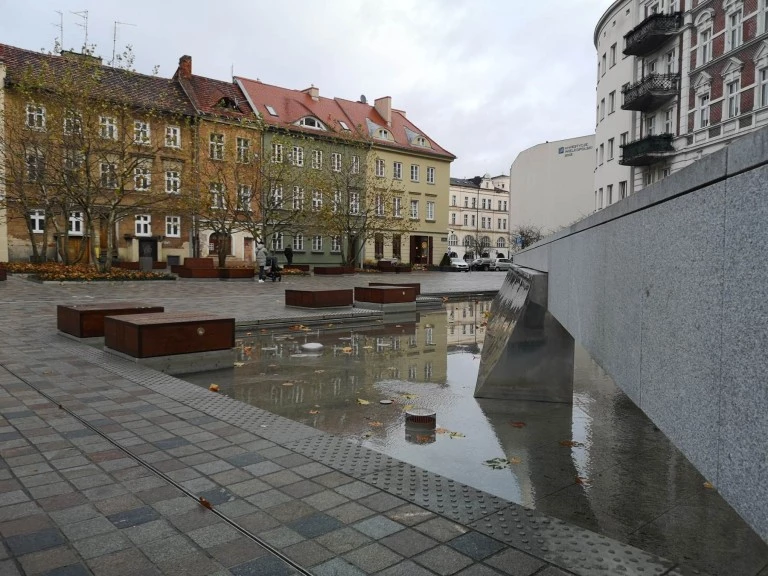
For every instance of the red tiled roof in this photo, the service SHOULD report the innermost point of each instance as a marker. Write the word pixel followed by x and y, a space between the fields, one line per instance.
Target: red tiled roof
pixel 293 105
pixel 115 84
pixel 206 95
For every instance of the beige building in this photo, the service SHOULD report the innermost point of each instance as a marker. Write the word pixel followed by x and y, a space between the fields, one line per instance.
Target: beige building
pixel 551 184
pixel 478 216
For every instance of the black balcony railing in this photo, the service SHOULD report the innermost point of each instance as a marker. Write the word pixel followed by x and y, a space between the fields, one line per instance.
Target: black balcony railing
pixel 651 33
pixel 650 92
pixel 646 150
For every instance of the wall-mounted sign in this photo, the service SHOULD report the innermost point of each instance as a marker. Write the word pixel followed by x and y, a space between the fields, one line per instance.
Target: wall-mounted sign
pixel 569 150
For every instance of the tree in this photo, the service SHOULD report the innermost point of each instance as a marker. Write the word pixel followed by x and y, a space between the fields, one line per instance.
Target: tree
pixel 528 234
pixel 350 203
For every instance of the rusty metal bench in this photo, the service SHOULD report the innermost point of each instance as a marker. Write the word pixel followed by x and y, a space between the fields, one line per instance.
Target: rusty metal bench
pixel 87 320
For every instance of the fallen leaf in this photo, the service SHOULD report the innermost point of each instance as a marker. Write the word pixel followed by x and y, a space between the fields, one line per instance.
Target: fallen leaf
pixel 213 387
pixel 287 384
pixel 367 347
pixel 517 424
pixel 319 371
pixel 571 444
pixel 409 396
pixel 582 480
pixel 455 435
pixel 272 366
pixel 375 424
pixel 314 411
pixel 247 333
pixel 239 364
pixel 262 331
pixel 709 485
pixel 408 407
pixel 515 460
pixel 441 431
pixel 362 402
pixel 347 350
pixel 367 434
pixel 497 463
pixel 330 325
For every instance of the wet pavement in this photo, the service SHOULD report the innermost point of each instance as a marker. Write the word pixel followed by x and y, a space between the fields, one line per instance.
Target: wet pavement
pixel 104 461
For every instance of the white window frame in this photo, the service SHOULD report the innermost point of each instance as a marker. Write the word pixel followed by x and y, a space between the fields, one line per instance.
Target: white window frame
pixel 217 194
pixel 335 161
pixel 336 201
pixel 669 121
pixel 216 146
pixel 244 197
pixel 243 147
pixel 75 223
pixel 354 202
pixel 414 173
pixel 612 102
pixel 37 221
pixel 622 189
pixel 317 159
pixel 142 177
pixel 298 198
pixel 397 170
pixel 610 149
pixel 298 242
pixel 609 194
pixel 297 156
pixel 108 127
pixel 143 225
pixel 317 243
pixel 705 46
pixel 277 153
pixel 276 196
pixel 397 207
pixel 173 137
pixel 172 181
pixel 35 116
pixel 141 133
pixel 430 175
pixel 73 123
pixel 761 77
pixel 649 123
pixel 414 211
pixel 430 210
pixel 277 241
pixel 108 175
pixel 355 164
pixel 733 97
pixel 380 168
pixel 734 26
pixel 173 226
pixel 317 200
pixel 335 244
pixel 35 165
pixel 380 206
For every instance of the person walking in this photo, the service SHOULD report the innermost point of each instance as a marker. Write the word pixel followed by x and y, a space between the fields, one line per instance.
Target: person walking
pixel 261 260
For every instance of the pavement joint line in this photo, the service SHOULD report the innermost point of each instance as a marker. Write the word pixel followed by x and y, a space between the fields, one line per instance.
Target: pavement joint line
pixel 162 475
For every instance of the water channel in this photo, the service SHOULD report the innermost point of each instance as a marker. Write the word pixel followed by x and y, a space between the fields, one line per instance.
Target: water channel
pixel 599 463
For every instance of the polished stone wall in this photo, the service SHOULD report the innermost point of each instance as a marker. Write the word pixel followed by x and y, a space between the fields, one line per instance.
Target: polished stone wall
pixel 668 291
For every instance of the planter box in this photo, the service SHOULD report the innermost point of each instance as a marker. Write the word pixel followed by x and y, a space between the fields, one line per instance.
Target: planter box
pixel 385 294
pixel 87 320
pixel 302 267
pixel 387 266
pixel 334 270
pixel 185 272
pixel 234 273
pixel 156 265
pixel 318 298
pixel 169 333
pixel 415 285
pixel 198 263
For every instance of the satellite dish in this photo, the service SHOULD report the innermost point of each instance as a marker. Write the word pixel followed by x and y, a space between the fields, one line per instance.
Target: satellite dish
pixel 363 99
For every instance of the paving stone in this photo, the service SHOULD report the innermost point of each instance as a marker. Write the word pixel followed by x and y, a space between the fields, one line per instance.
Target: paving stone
pixel 230 477
pixel 34 541
pixel 217 496
pixel 237 551
pixel 214 535
pixel 134 517
pixel 408 542
pixel 281 478
pixel 87 528
pixel 441 529
pixel 193 519
pixel 34 523
pixel 480 570
pixel 378 527
pixel 337 567
pixel 258 522
pixel 268 499
pixel 149 531
pixel 123 563
pixel 245 459
pixel 39 562
pixel 47 490
pixel 236 508
pixel 165 492
pixel 263 468
pixel 145 483
pixel 315 525
pixel 373 557
pixel 325 500
pixel 311 469
pixel 515 563
pixel 199 485
pixel 343 540
pixel 333 479
pixel 91 481
pixel 41 479
pixel 308 553
pixel 213 467
pixel 443 560
pixel 71 570
pixel 381 501
pixel 183 474
pixel 103 544
pixel 248 487
pixel 475 545
pixel 197 459
pixel 265 565
pixel 13 497
pixel 406 568
pixel 281 537
pixel 410 514
pixel 117 504
pixel 62 501
pixel 103 492
pixel 356 489
pixel 292 510
pixel 350 512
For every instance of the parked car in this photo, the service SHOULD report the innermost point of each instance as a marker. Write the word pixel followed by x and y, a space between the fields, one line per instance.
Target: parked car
pixel 459 264
pixel 501 264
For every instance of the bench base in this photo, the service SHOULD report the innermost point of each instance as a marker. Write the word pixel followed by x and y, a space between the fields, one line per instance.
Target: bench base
pixel 387 308
pixel 184 363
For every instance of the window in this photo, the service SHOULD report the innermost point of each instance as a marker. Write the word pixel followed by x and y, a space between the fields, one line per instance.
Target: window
pixel 762 78
pixel 430 210
pixel 172 137
pixel 73 123
pixel 271 110
pixel 602 108
pixel 35 116
pixel 623 138
pixel 378 246
pixel 612 102
pixel 624 89
pixel 336 201
pixel 317 159
pixel 75 223
pixel 414 172
pixel 379 205
pixel 309 122
pixel 380 168
pixel 474 202
pixel 430 175
pixel 397 208
pixel 705 46
pixel 37 221
pixel 336 244
pixel 652 67
pixel 354 202
pixel 396 246
pixel 610 149
pixel 414 209
pixel 453 200
pixel 602 153
pixel 277 153
pixel 613 55
pixel 143 225
pixel 298 242
pixel 501 243
pixel 243 146
pixel 650 125
pixel 244 197
pixel 277 196
pixel 218 201
pixel 600 199
pixel 343 125
pixel 466 202
pixel 397 171
pixel 669 121
pixel 453 240
pixel 355 164
pixel 482 203
pixel 140 132
pixel 453 217
pixel 317 243
pixel 142 177
pixel 609 193
pixel 108 127
pixel 733 38
pixel 602 65
pixel 172 181
pixel 277 241
pixel 336 162
pixel 622 189
pixel 173 226
pixel 734 98
pixel 382 134
pixel 35 166
pixel 216 147
pixel 317 199
pixel 466 220
pixel 505 205
pixel 108 174
pixel 297 156
pixel 473 219
pixel 298 198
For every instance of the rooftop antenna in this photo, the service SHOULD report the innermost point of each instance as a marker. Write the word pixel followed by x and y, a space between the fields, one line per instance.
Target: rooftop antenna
pixel 114 38
pixel 60 26
pixel 83 14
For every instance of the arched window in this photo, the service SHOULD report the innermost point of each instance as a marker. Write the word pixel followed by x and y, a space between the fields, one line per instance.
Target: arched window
pixel 500 243
pixel 467 241
pixel 485 242
pixel 453 240
pixel 310 122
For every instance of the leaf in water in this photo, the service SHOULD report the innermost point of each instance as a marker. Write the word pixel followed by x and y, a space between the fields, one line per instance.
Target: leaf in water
pixel 347 350
pixel 314 411
pixel 515 460
pixel 709 485
pixel 239 364
pixel 517 424
pixel 582 480
pixel 367 347
pixel 409 396
pixel 571 444
pixel 367 434
pixel 296 327
pixel 408 407
pixel 287 383
pixel 247 333
pixel 497 463
pixel 442 431
pixel 262 331
pixel 306 329
pixel 455 435
pixel 330 325
pixel 319 371
pixel 272 366
pixel 362 402
pixel 375 424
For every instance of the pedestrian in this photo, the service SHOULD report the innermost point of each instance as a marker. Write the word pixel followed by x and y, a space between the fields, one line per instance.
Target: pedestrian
pixel 288 254
pixel 261 260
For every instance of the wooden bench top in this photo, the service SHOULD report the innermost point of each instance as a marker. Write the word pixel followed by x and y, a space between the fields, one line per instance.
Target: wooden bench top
pixel 100 306
pixel 169 318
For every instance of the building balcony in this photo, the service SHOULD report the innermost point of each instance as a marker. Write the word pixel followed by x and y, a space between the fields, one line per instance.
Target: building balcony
pixel 647 150
pixel 651 92
pixel 651 33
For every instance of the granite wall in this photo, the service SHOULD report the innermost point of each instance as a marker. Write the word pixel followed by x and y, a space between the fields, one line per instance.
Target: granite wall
pixel 668 291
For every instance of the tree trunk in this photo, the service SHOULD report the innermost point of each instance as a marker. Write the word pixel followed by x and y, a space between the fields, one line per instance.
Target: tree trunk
pixel 107 264
pixel 221 250
pixel 92 246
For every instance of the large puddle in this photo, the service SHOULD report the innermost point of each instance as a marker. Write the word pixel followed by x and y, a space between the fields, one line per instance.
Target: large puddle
pixel 599 463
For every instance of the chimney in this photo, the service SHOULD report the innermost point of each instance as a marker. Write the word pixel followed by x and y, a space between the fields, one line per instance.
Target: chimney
pixel 185 66
pixel 383 106
pixel 313 92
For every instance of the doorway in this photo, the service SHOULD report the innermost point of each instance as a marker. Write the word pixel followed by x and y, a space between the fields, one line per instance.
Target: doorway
pixel 421 250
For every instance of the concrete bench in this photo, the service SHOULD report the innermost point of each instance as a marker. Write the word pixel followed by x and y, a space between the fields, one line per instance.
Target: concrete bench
pixel 87 320
pixel 318 298
pixel 386 298
pixel 415 285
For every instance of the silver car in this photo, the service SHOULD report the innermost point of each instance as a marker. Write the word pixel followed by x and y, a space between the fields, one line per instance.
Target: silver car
pixel 501 264
pixel 459 264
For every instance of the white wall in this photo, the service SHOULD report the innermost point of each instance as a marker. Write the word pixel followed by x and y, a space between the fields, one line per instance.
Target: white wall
pixel 551 184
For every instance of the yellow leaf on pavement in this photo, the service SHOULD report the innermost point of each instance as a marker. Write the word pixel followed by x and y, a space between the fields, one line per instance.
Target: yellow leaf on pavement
pixel 362 402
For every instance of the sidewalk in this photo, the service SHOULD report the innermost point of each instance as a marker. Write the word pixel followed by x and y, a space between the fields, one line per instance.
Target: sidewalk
pixel 105 462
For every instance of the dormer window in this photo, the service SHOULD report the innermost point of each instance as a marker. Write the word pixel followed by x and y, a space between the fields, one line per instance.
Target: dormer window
pixel 227 103
pixel 270 110
pixel 343 125
pixel 382 133
pixel 421 141
pixel 310 122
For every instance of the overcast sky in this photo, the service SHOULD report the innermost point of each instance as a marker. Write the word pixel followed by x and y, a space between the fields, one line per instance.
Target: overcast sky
pixel 485 78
